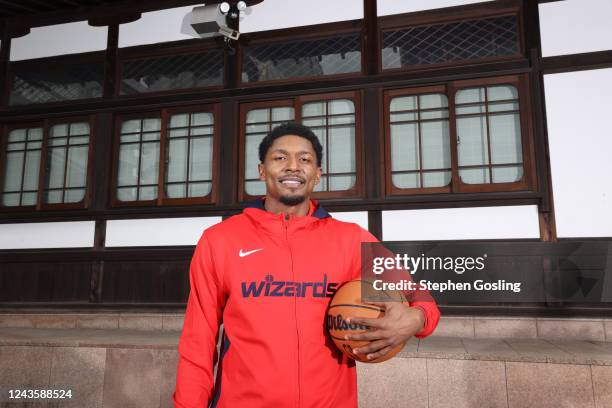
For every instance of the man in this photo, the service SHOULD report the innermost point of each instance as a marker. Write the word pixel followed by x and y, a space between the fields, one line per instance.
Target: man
pixel 268 275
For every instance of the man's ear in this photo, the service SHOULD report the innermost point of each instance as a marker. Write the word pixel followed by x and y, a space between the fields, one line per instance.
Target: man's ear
pixel 262 171
pixel 318 175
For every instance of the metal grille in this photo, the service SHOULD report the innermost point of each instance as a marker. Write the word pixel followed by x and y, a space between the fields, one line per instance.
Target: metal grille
pixel 458 41
pixel 196 70
pixel 66 83
pixel 298 59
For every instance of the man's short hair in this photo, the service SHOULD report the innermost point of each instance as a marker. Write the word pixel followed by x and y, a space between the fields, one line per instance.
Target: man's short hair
pixel 291 128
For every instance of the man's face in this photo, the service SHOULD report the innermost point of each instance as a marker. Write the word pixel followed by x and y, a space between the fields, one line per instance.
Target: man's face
pixel 290 170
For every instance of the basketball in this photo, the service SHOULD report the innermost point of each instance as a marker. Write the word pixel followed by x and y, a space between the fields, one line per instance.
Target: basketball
pixel 347 303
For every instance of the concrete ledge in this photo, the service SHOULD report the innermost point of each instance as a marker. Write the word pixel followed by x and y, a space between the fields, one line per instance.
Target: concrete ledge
pixel 135 321
pixel 586 329
pixel 571 328
pixel 575 352
pixel 135 368
pixel 520 350
pixel 89 338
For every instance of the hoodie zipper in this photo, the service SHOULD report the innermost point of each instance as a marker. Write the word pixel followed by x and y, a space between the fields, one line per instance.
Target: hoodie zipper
pixel 286 218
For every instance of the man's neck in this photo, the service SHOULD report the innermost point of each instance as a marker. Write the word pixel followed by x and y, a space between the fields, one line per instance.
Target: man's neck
pixel 276 207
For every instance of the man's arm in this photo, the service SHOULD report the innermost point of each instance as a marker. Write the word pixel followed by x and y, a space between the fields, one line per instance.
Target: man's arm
pixel 197 345
pixel 417 318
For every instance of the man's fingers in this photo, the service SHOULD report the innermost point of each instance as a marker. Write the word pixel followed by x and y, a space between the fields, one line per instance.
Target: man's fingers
pixel 366 321
pixel 379 353
pixel 373 347
pixel 369 335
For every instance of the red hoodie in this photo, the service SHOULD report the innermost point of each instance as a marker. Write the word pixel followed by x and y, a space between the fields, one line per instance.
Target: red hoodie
pixel 269 281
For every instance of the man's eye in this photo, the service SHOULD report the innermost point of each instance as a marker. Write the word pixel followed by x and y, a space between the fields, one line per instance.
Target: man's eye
pixel 279 158
pixel 305 159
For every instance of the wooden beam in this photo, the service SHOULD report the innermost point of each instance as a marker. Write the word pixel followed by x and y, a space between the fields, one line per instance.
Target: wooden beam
pixel 11 5
pixel 110 61
pixel 375 223
pixel 372 129
pixel 5 55
pixel 72 14
pixel 30 17
pixel 371 46
pixel 577 62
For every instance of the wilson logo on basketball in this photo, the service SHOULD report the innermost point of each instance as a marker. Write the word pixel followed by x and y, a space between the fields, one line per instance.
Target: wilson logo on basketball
pixel 337 322
pixel 270 287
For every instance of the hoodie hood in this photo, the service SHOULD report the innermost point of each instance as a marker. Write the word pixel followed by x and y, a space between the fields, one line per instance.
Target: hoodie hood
pixel 276 223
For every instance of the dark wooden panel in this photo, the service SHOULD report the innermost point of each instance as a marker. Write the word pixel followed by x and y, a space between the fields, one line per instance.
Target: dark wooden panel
pixel 45 282
pixel 145 282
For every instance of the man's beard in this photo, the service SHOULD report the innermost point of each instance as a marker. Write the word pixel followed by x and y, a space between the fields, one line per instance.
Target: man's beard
pixel 292 201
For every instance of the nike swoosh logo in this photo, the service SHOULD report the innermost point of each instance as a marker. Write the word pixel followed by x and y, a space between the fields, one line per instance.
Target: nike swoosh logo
pixel 243 254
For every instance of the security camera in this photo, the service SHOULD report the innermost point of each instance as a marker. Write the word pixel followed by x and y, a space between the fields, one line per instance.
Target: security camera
pixel 229 33
pixel 224 7
pixel 216 19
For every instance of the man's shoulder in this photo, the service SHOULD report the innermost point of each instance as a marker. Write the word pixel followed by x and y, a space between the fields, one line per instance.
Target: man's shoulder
pixel 230 224
pixel 351 228
pixel 344 227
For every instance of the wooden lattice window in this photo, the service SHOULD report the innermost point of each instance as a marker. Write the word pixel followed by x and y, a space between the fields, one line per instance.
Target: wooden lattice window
pixel 464 136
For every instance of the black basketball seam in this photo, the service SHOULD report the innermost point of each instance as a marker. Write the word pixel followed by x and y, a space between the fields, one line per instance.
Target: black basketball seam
pixel 360 306
pixel 343 339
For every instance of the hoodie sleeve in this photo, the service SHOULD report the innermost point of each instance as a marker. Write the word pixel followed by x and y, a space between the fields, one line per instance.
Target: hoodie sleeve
pixel 197 344
pixel 424 300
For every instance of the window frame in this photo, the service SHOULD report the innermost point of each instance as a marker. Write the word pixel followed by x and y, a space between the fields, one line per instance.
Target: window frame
pixel 462 13
pixel 387 98
pixel 169 49
pixel 313 32
pixel 46 125
pixel 528 179
pixel 68 60
pixel 164 115
pixel 297 102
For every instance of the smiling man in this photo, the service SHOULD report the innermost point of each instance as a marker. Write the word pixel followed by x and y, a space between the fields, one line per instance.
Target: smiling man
pixel 268 274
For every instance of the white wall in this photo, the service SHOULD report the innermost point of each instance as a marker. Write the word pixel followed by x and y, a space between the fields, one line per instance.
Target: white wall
pixel 507 222
pixel 358 217
pixel 275 14
pixel 386 7
pixel 575 26
pixel 155 27
pixel 59 39
pixel 74 234
pixel 578 110
pixel 157 232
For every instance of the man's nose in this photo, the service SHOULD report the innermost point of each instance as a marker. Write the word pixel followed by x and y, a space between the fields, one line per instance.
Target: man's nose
pixel 292 163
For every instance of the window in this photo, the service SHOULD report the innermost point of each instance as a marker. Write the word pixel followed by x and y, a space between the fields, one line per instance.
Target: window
pixel 304 58
pixel 47 164
pixel 200 69
pixel 180 139
pixel 442 43
pixel 420 141
pixel 489 147
pixel 66 169
pixel 333 121
pixel 260 121
pixel 47 82
pixel 333 118
pixel 459 137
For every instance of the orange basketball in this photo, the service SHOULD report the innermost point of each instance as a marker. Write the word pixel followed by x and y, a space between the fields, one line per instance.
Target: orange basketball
pixel 347 303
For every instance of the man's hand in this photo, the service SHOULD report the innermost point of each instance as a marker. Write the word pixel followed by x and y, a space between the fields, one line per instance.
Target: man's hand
pixel 397 326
